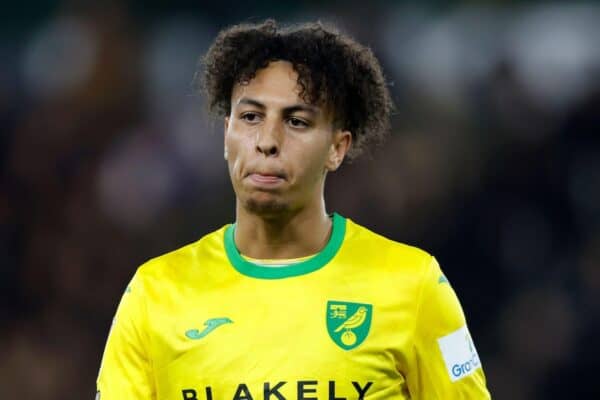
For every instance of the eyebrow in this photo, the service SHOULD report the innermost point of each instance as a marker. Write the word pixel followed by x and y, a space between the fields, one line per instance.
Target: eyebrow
pixel 287 110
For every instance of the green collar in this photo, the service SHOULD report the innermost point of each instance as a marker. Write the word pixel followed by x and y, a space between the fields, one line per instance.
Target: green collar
pixel 303 267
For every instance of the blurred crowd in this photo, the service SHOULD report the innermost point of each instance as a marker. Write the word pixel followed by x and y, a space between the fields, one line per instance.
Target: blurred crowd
pixel 108 158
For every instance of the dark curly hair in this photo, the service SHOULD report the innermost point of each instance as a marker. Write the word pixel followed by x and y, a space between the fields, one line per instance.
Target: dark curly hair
pixel 332 68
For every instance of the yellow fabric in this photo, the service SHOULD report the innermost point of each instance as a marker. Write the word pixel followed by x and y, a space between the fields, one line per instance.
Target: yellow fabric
pixel 276 344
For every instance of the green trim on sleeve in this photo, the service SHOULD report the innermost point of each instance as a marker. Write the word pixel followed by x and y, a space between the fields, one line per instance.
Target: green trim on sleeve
pixel 314 263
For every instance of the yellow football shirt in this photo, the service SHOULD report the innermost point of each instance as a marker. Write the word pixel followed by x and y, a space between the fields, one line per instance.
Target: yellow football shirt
pixel 365 318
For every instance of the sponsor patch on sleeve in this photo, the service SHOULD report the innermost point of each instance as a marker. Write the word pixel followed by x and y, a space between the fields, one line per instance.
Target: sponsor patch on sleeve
pixel 460 355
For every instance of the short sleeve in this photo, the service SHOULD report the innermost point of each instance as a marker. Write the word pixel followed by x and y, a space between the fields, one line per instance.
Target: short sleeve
pixel 447 365
pixel 125 370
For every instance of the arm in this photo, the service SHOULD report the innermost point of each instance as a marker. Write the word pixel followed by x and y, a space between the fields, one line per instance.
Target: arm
pixel 126 368
pixel 446 364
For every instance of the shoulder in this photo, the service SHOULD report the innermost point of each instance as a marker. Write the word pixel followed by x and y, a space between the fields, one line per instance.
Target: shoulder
pixel 176 263
pixel 399 271
pixel 386 263
pixel 386 250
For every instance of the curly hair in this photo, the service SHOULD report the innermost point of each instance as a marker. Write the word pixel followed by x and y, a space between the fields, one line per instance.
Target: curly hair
pixel 332 68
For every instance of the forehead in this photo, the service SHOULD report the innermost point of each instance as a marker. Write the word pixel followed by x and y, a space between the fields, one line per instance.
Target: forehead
pixel 276 84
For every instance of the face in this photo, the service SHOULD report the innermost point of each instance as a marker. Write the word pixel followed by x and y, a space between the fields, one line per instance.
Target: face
pixel 278 147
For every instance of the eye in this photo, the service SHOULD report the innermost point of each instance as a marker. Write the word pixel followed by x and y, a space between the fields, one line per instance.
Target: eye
pixel 250 117
pixel 297 123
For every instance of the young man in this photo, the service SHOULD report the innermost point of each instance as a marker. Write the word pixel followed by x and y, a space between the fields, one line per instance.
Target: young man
pixel 291 302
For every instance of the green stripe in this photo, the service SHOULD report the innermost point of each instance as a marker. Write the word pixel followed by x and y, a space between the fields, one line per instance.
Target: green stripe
pixel 303 267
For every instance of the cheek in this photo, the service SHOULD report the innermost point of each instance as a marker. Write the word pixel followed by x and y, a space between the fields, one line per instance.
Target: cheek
pixel 311 160
pixel 237 149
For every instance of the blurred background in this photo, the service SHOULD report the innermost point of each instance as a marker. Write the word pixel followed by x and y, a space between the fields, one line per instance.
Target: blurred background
pixel 108 159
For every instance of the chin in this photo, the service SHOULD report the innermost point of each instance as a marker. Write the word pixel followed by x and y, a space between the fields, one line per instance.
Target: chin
pixel 266 207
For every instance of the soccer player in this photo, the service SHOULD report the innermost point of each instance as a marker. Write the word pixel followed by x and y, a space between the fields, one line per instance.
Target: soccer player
pixel 290 301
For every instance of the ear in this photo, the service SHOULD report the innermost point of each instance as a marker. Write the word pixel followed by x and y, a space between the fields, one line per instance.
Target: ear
pixel 225 128
pixel 342 140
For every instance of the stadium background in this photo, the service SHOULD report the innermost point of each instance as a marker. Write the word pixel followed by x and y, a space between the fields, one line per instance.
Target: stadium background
pixel 108 159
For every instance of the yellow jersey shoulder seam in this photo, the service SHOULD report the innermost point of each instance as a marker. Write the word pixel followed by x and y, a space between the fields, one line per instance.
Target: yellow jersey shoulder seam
pixel 427 267
pixel 139 275
pixel 393 246
pixel 155 262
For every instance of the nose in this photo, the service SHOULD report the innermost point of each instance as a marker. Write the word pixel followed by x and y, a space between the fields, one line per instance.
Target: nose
pixel 268 139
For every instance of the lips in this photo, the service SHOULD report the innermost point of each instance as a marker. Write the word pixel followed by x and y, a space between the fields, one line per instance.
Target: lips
pixel 266 178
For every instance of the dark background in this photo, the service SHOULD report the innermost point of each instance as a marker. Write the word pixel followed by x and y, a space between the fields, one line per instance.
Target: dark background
pixel 108 158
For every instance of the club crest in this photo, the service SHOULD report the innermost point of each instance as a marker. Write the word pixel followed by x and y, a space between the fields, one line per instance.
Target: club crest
pixel 348 323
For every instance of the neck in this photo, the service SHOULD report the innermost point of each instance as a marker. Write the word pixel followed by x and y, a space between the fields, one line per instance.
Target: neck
pixel 290 235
